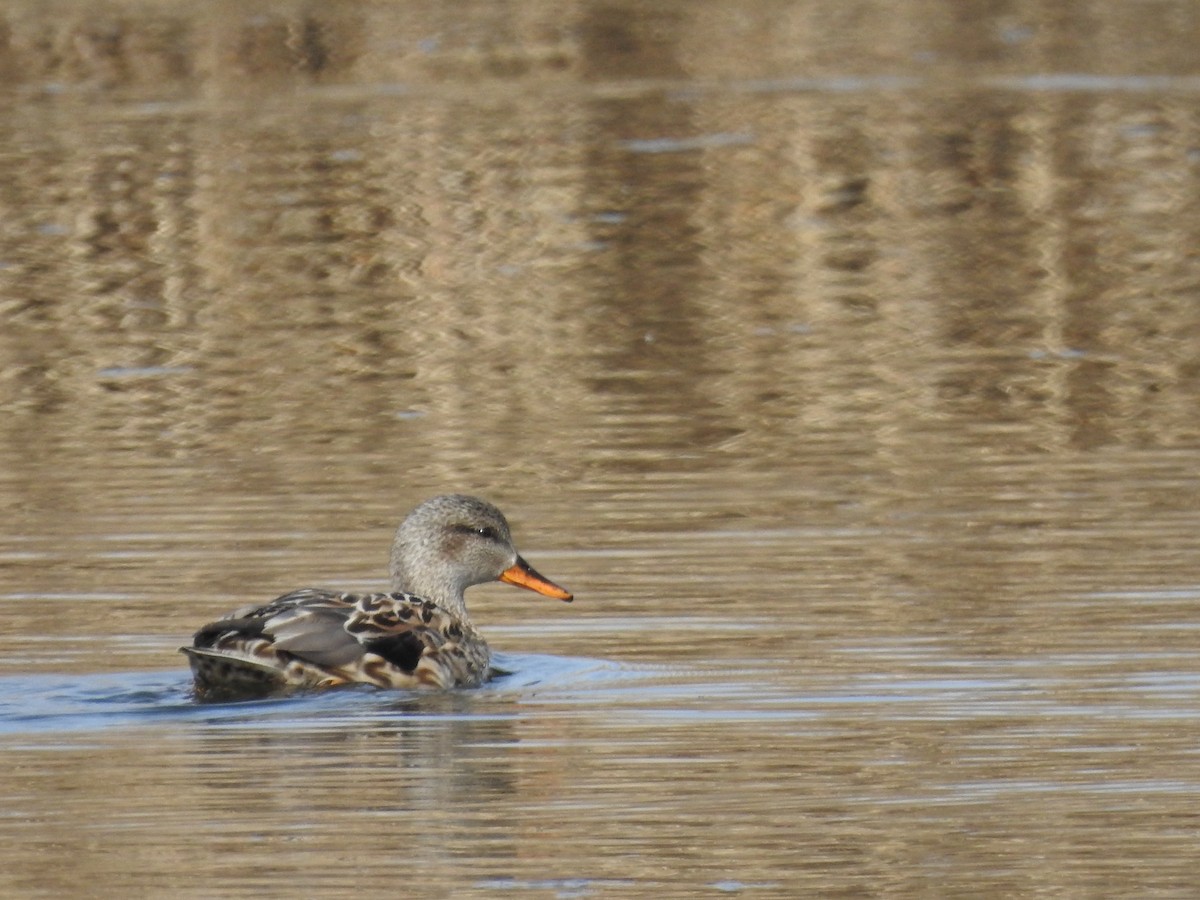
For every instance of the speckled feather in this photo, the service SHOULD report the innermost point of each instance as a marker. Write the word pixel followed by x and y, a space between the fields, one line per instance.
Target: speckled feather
pixel 317 639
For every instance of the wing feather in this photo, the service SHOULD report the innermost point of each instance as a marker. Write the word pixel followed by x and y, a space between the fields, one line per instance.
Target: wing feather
pixel 391 640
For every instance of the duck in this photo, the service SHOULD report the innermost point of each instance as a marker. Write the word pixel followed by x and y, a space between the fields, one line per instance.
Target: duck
pixel 417 635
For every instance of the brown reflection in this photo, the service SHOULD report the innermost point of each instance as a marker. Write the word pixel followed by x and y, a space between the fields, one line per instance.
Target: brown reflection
pixel 912 797
pixel 253 273
pixel 244 805
pixel 642 198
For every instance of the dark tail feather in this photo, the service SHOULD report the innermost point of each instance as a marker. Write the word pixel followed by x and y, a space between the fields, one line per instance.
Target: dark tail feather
pixel 222 678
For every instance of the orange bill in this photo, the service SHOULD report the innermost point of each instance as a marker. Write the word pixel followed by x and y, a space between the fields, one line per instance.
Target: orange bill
pixel 524 575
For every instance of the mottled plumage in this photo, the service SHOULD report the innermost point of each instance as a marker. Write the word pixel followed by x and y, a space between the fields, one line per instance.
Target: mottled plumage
pixel 418 635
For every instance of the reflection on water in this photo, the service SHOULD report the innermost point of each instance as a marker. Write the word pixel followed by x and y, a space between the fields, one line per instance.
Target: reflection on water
pixel 842 357
pixel 520 778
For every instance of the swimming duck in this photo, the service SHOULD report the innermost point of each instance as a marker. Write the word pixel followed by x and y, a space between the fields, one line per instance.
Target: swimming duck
pixel 417 635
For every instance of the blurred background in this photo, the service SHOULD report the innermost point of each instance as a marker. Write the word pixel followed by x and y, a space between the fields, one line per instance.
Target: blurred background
pixel 842 357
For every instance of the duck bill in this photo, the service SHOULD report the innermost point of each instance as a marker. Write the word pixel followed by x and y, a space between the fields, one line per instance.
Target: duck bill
pixel 522 574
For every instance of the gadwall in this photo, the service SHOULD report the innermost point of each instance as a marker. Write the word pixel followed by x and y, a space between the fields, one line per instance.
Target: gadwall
pixel 418 635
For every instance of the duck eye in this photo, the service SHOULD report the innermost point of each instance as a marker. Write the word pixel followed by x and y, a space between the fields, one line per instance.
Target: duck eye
pixel 489 533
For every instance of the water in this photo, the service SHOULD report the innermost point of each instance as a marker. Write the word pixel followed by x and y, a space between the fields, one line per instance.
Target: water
pixel 840 358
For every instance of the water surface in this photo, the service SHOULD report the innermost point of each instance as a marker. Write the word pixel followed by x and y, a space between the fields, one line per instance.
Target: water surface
pixel 841 358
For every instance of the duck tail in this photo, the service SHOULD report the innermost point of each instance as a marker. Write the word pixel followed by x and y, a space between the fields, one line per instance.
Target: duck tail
pixel 220 677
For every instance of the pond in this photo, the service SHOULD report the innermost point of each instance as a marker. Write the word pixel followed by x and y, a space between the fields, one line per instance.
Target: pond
pixel 841 358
